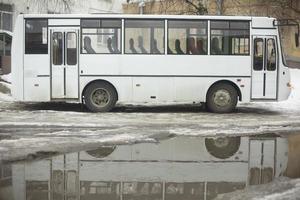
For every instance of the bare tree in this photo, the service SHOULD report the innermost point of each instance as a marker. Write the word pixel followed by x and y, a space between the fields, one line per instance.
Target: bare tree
pixel 197 7
pixel 280 8
pixel 59 6
pixel 220 6
pixel 194 7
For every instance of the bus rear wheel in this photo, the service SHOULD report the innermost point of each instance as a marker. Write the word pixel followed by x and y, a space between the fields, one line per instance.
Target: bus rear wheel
pixel 221 98
pixel 223 147
pixel 100 97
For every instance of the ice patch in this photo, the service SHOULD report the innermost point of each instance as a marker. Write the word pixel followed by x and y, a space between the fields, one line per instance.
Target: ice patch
pixel 281 188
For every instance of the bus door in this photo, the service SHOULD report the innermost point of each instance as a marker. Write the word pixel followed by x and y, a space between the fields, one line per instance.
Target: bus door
pixel 261 161
pixel 64 177
pixel 264 68
pixel 64 63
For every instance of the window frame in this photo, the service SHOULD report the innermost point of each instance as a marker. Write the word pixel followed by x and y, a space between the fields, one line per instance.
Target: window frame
pixel 67 49
pixel 146 19
pixel 267 52
pixel 263 54
pixel 190 20
pixel 229 29
pixel 62 53
pixel 5 37
pixel 93 27
pixel 46 19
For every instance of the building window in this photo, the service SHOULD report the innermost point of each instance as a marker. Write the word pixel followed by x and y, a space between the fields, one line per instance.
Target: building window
pixel 101 36
pixel 144 36
pixel 229 38
pixel 36 41
pixel 6 17
pixel 187 37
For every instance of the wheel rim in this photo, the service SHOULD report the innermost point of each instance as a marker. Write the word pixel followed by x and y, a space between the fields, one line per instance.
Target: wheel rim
pixel 222 98
pixel 100 97
pixel 221 142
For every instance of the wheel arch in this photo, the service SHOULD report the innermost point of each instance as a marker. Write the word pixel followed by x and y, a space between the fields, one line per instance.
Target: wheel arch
pixel 226 82
pixel 95 81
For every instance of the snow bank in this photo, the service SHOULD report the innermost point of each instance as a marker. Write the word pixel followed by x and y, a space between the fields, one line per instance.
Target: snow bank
pixel 281 188
pixel 5 97
pixel 6 78
pixel 5 88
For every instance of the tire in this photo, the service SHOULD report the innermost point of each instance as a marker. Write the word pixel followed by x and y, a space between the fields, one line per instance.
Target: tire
pixel 222 147
pixel 100 97
pixel 221 98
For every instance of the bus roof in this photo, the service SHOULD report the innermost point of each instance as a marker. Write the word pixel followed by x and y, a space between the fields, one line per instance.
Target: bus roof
pixel 257 22
pixel 144 16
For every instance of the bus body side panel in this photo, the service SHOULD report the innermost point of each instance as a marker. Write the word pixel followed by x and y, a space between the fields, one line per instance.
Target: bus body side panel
pixel 284 76
pixel 196 88
pixel 166 78
pixel 36 77
pixel 176 160
pixel 282 145
pixel 17 60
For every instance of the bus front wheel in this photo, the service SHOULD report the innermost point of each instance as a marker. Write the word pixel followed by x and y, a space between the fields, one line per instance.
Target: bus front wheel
pixel 221 98
pixel 100 97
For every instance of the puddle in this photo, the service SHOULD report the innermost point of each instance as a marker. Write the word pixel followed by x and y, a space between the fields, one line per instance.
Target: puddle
pixel 185 168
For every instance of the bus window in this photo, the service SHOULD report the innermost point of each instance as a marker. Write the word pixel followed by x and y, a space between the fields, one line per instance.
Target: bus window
pixel 7 45
pixel 101 36
pixel 36 36
pixel 229 38
pixel 271 55
pixel 142 190
pixel 186 191
pixel 144 37
pixel 2 42
pixel 57 48
pixel 258 54
pixel 187 37
pixel 71 49
pixel 99 190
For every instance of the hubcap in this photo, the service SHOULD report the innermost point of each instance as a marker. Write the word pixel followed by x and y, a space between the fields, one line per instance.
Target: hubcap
pixel 222 98
pixel 221 142
pixel 100 97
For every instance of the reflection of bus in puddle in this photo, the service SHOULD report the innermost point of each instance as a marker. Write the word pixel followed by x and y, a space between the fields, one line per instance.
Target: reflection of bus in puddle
pixel 185 168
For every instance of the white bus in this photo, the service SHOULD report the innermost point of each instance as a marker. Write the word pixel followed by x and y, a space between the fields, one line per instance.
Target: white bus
pixel 103 59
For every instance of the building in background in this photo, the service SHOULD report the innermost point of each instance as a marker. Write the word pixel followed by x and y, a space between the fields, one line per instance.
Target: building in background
pixel 10 9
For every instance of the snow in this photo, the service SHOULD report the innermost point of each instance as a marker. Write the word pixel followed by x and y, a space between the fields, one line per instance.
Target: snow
pixel 5 87
pixel 5 97
pixel 281 188
pixel 6 77
pixel 13 149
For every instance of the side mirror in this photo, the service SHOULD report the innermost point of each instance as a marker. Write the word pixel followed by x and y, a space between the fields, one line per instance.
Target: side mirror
pixel 297 39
